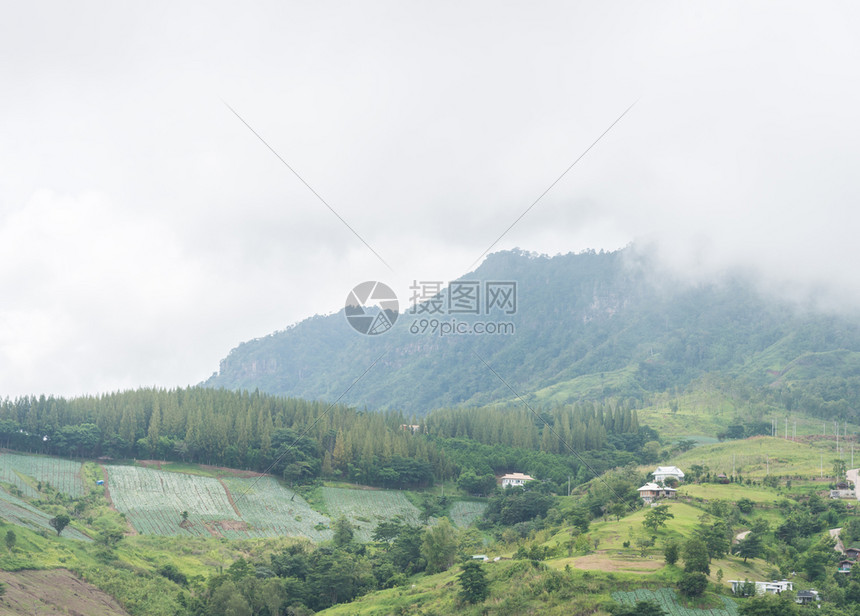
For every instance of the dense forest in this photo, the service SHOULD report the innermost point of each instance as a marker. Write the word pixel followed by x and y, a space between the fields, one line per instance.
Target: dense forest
pixel 303 440
pixel 588 326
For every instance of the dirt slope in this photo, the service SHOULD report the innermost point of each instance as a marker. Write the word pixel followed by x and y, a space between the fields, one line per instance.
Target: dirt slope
pixel 54 593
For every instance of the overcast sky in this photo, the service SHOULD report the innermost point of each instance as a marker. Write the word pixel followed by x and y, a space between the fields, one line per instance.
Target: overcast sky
pixel 145 231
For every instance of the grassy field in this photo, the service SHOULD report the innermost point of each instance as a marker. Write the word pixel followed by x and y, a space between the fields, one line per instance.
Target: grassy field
pixel 612 534
pixel 571 390
pixel 756 457
pixel 732 492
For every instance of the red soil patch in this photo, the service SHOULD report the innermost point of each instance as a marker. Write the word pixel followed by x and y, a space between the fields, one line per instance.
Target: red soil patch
pixel 230 498
pixel 215 528
pixel 151 463
pixel 603 562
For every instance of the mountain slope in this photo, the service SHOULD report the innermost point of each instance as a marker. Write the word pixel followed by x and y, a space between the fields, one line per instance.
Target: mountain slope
pixel 587 326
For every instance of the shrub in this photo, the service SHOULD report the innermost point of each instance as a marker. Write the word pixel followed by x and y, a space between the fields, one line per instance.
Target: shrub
pixel 693 584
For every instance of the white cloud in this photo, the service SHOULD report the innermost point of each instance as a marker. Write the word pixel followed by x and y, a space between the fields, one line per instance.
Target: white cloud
pixel 145 230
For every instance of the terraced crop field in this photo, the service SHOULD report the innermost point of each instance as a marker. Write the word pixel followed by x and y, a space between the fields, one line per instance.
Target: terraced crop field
pixel 668 600
pixel 465 513
pixel 232 507
pixel 15 510
pixel 366 508
pixel 153 500
pixel 63 475
pixel 272 509
pixel 240 508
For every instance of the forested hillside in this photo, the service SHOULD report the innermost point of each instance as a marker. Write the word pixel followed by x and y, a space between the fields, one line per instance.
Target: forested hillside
pixel 300 440
pixel 588 326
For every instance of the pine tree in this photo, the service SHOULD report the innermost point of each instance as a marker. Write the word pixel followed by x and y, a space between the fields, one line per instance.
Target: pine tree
pixel 473 583
pixel 154 431
pixel 127 426
pixel 339 454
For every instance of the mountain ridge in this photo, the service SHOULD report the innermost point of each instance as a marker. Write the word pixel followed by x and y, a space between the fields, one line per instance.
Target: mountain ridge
pixel 580 317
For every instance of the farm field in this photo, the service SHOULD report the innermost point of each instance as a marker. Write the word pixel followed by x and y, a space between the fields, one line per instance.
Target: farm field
pixel 62 475
pixel 465 513
pixel 271 509
pixel 15 510
pixel 245 507
pixel 152 501
pixel 668 600
pixel 366 508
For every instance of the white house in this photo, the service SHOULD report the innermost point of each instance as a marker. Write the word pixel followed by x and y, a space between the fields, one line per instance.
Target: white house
pixel 807 596
pixel 515 479
pixel 652 491
pixel 664 472
pixel 762 588
pixel 841 493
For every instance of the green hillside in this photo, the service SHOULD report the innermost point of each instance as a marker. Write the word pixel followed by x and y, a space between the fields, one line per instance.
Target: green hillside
pixel 589 553
pixel 588 326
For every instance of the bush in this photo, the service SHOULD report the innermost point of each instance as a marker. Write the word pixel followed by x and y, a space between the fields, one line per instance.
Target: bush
pixel 745 505
pixel 671 551
pixel 693 584
pixel 173 574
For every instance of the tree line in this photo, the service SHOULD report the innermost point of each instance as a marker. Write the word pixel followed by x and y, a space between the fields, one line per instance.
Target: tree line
pixel 302 440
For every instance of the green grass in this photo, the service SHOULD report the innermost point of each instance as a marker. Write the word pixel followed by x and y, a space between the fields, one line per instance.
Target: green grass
pixel 516 587
pixel 37 549
pixel 585 386
pixel 730 492
pixel 758 456
pixel 612 534
pixel 190 469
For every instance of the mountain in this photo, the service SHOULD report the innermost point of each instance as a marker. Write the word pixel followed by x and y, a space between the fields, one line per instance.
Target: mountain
pixel 587 326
